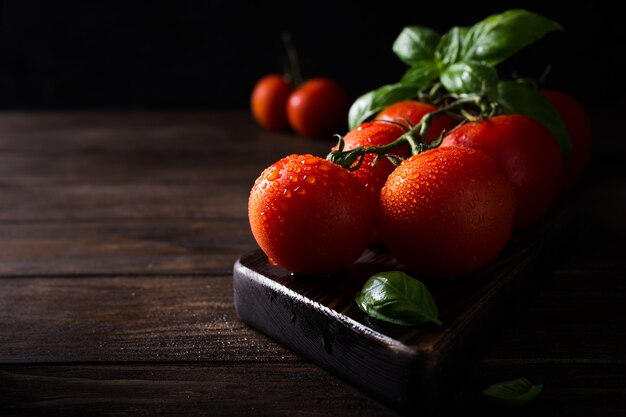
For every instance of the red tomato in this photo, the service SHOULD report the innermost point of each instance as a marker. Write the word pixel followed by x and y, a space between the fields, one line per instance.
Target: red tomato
pixel 317 108
pixel 269 101
pixel 447 211
pixel 310 215
pixel 578 128
pixel 413 111
pixel 529 155
pixel 375 133
pixel 373 176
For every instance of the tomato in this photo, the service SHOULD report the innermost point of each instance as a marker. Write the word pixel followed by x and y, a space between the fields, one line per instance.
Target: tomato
pixel 447 211
pixel 373 176
pixel 413 111
pixel 529 155
pixel 578 128
pixel 310 215
pixel 269 101
pixel 317 108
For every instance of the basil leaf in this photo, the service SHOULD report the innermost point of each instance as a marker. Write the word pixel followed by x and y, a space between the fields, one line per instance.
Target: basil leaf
pixel 421 74
pixel 371 103
pixel 499 36
pixel 512 393
pixel 470 77
pixel 450 46
pixel 397 298
pixel 416 43
pixel 517 98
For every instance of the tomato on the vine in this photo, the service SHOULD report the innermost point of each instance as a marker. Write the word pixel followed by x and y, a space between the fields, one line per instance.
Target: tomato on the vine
pixel 413 111
pixel 578 127
pixel 447 211
pixel 310 215
pixel 317 108
pixel 376 133
pixel 269 101
pixel 374 174
pixel 529 155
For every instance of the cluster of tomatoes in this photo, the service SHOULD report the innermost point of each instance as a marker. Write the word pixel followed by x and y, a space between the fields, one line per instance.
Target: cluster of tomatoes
pixel 441 213
pixel 317 107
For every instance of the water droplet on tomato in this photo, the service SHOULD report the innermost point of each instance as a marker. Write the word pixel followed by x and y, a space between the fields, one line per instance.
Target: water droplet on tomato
pixel 273 175
pixel 311 160
pixel 310 179
pixel 287 193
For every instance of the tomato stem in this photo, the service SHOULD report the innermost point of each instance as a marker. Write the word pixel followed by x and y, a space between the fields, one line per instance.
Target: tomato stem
pixel 415 137
pixel 292 69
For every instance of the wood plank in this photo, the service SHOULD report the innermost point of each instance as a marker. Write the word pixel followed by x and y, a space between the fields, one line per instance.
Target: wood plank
pixel 181 390
pixel 126 319
pixel 114 202
pixel 268 389
pixel 123 247
pixel 225 131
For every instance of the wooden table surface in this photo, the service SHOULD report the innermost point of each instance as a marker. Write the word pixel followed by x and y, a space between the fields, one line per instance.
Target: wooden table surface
pixel 118 234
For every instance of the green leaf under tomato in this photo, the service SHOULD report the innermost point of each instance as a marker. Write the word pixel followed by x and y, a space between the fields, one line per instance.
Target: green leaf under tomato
pixel 512 393
pixel 499 36
pixel 371 103
pixel 470 77
pixel 397 298
pixel 415 44
pixel 517 98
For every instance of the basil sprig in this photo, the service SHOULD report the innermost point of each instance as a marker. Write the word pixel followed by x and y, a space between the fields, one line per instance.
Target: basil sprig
pixel 398 298
pixel 512 393
pixel 463 60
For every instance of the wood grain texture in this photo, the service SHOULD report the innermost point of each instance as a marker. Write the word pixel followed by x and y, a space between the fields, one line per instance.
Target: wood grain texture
pixel 119 319
pixel 117 237
pixel 123 247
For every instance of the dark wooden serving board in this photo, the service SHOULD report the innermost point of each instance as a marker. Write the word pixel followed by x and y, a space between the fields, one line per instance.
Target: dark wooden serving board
pixel 410 368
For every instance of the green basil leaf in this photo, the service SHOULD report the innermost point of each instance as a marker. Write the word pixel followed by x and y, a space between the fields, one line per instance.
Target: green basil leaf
pixel 416 43
pixel 450 47
pixel 371 103
pixel 397 298
pixel 512 393
pixel 421 74
pixel 470 77
pixel 517 98
pixel 499 36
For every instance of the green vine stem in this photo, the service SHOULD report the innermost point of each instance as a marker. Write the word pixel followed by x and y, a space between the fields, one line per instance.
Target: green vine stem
pixel 415 137
pixel 292 69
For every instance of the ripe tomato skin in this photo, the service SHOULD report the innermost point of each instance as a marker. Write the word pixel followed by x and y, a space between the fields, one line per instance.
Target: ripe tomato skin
pixel 269 101
pixel 310 215
pixel 375 133
pixel 413 111
pixel 528 154
pixel 578 128
pixel 318 108
pixel 373 176
pixel 447 211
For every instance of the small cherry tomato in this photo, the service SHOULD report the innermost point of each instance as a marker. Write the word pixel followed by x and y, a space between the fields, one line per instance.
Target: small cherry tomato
pixel 310 215
pixel 529 155
pixel 269 101
pixel 447 211
pixel 318 108
pixel 578 128
pixel 413 111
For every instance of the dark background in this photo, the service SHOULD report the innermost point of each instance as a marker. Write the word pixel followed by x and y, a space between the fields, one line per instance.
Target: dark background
pixel 186 54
